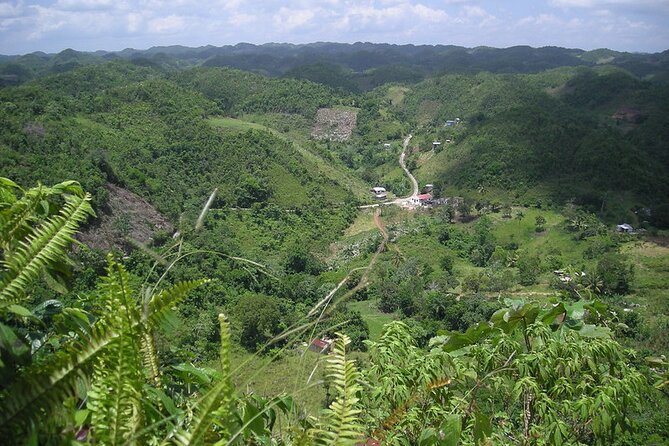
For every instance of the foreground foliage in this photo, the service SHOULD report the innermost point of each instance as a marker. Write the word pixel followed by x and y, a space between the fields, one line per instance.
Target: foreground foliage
pixel 531 375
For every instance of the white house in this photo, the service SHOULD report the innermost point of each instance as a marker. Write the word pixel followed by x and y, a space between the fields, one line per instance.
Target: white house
pixel 379 192
pixel 421 200
pixel 624 228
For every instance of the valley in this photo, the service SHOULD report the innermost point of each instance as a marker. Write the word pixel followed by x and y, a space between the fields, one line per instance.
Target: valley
pixel 232 219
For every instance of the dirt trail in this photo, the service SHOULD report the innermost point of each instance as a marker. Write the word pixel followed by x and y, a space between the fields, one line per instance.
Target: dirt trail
pixel 380 225
pixel 364 282
pixel 382 247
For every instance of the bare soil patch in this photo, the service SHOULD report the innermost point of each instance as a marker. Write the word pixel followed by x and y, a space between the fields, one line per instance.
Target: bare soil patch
pixel 128 219
pixel 334 124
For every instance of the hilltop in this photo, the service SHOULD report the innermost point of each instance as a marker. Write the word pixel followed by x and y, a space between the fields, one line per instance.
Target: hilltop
pixel 350 67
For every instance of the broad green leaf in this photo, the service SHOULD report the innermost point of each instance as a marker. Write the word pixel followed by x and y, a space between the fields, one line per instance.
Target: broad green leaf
pixel 549 317
pixel 20 310
pixel 451 429
pixel 576 310
pixel 256 423
pixel 200 375
pixel 16 346
pixel 482 427
pixel 428 437
pixel 80 416
pixel 594 331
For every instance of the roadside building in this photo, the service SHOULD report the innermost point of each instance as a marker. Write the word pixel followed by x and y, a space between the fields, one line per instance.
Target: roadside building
pixel 421 200
pixel 379 192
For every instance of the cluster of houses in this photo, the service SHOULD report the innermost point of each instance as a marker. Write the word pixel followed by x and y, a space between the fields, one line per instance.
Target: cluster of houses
pixel 565 277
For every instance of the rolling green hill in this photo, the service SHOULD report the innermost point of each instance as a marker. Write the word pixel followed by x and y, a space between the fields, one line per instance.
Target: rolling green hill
pixel 132 126
pixel 556 133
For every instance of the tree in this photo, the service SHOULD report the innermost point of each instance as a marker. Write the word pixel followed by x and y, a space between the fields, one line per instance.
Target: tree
pixel 614 274
pixel 446 262
pixel 540 222
pixel 256 318
pixel 529 268
pixel 524 376
pixel 464 208
pixel 350 323
pixel 444 235
pixel 447 213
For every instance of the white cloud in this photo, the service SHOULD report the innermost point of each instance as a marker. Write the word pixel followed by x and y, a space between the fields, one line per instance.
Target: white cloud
pixel 165 25
pixel 7 9
pixel 83 5
pixel 241 19
pixel 134 22
pixel 115 24
pixel 638 6
pixel 288 19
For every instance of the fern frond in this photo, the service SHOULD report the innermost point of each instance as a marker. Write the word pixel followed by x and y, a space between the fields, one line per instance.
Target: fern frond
pixel 46 245
pixel 45 385
pixel 342 427
pixel 150 357
pixel 156 310
pixel 115 395
pixel 19 215
pixel 116 392
pixel 161 303
pixel 217 402
pixel 15 218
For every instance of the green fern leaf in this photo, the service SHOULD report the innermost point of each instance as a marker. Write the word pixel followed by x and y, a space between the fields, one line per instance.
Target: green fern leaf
pixel 45 385
pixel 116 392
pixel 161 303
pixel 45 246
pixel 342 426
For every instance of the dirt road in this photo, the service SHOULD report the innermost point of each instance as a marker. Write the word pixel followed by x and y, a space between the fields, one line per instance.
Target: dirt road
pixel 364 281
pixel 406 201
pixel 414 183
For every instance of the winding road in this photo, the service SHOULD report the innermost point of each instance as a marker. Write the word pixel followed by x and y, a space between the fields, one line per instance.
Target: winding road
pixel 414 183
pixel 406 201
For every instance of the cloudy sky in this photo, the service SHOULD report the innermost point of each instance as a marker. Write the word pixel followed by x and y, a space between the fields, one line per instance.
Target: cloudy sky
pixel 53 25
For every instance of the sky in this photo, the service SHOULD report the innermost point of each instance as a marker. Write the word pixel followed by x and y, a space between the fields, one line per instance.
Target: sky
pixel 89 25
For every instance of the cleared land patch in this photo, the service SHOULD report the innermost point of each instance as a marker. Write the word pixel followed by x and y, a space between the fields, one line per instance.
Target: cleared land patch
pixel 334 124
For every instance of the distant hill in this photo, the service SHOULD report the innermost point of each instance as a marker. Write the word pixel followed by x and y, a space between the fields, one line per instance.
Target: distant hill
pixel 364 65
pixel 550 122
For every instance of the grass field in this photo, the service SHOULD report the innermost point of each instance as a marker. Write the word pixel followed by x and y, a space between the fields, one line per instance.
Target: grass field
pixel 375 319
pixel 291 373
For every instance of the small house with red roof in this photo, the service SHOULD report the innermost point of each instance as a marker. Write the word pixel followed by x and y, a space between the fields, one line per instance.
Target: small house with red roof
pixel 422 200
pixel 320 345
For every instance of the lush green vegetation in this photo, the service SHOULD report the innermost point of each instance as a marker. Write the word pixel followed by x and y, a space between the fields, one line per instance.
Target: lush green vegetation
pixel 515 314
pixel 517 136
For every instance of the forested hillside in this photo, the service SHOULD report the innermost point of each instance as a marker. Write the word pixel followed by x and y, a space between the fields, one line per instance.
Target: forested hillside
pixel 256 292
pixel 562 134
